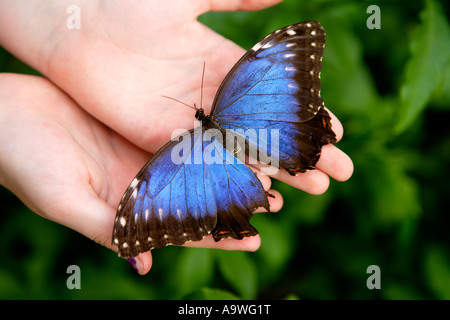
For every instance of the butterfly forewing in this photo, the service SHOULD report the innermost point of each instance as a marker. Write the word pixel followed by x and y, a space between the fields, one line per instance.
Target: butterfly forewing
pixel 276 85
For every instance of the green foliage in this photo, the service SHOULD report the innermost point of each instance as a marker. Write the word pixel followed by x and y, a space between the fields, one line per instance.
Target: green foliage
pixel 430 54
pixel 188 276
pixel 391 90
pixel 240 272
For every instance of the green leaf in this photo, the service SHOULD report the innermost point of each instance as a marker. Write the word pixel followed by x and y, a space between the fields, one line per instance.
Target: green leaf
pixel 437 269
pixel 194 270
pixel 390 182
pixel 277 244
pixel 239 271
pixel 430 53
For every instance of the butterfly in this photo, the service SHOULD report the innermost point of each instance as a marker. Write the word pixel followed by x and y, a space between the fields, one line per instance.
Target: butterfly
pixel 195 185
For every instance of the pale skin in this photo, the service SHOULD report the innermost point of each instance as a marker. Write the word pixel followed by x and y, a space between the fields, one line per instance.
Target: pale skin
pixel 72 140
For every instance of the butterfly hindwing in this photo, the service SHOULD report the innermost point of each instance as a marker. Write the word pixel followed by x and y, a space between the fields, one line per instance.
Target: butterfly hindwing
pixel 172 201
pixel 276 85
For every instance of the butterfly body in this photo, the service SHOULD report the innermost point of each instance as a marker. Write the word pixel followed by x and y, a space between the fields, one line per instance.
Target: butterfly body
pixel 198 184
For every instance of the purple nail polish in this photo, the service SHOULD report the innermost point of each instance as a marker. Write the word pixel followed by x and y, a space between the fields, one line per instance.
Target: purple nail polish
pixel 133 263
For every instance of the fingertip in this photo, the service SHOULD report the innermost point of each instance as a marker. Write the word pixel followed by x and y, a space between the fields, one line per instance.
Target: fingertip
pixel 336 125
pixel 276 203
pixel 248 244
pixel 142 263
pixel 335 163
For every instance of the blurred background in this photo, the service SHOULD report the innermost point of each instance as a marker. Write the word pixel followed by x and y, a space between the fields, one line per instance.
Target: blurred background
pixel 390 87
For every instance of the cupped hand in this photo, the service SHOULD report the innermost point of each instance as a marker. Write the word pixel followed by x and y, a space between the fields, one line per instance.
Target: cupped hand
pixel 77 140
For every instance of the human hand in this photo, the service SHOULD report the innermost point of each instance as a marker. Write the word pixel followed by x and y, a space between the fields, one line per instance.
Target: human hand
pixel 116 68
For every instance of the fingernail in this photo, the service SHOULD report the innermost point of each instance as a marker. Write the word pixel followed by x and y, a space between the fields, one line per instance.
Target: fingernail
pixel 135 263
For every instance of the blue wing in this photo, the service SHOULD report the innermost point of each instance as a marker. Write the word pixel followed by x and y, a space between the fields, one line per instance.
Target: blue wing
pixel 185 192
pixel 276 85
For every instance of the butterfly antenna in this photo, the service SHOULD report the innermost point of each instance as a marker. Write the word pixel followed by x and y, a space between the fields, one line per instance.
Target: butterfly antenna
pixel 192 107
pixel 201 89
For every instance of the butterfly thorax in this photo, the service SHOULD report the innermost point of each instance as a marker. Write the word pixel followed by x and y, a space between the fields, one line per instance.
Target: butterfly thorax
pixel 207 121
pixel 200 114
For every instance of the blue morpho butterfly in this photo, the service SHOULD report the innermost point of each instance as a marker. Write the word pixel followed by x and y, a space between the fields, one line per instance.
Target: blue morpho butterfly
pixel 274 86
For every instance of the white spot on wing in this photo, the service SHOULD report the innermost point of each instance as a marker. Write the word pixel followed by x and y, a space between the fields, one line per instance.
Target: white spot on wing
pixel 309 25
pixel 256 47
pixel 147 213
pixel 312 57
pixel 267 45
pixel 313 44
pixel 123 221
pixel 160 211
pixel 291 32
pixel 289 69
pixel 134 183
pixel 288 45
pixel 289 55
pixel 313 33
pixel 116 241
pixel 125 245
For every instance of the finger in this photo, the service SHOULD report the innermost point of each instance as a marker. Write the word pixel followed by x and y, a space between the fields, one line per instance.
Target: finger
pixel 314 181
pixel 275 202
pixel 336 125
pixel 246 244
pixel 142 263
pixel 265 179
pixel 246 5
pixel 335 163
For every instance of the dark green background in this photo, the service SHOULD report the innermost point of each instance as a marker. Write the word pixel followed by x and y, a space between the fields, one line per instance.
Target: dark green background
pixel 391 90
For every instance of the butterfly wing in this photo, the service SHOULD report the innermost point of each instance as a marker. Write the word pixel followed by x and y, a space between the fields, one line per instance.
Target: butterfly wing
pixel 185 192
pixel 276 85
